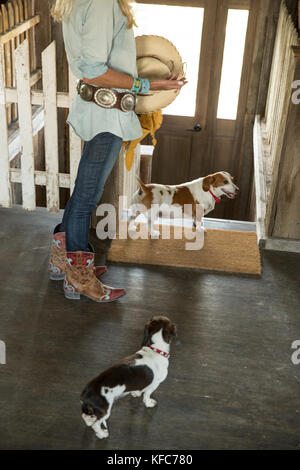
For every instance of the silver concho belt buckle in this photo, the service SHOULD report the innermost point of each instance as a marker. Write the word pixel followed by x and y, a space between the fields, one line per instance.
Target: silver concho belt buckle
pixel 127 103
pixel 106 97
pixel 85 91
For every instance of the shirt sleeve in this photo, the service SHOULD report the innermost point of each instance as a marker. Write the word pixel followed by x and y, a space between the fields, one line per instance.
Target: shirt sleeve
pixel 97 38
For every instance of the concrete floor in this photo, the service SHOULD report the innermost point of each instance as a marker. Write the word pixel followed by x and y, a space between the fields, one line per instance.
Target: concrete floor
pixel 231 382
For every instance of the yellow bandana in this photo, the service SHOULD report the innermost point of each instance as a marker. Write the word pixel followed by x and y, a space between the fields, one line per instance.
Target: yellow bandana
pixel 150 123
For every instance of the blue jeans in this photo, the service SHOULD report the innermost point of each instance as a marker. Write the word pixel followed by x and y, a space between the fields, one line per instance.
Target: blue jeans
pixel 98 159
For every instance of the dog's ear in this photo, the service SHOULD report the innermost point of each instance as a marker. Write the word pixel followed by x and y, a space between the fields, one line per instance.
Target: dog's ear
pixel 207 181
pixel 169 333
pixel 88 409
pixel 147 337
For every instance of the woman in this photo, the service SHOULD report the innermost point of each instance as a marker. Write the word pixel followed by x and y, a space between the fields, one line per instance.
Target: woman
pixel 101 51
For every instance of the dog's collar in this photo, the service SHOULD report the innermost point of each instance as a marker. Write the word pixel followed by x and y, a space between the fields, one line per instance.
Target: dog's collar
pixel 159 351
pixel 215 197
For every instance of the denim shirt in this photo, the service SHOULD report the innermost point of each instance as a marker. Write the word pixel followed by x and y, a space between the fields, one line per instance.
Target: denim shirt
pixel 96 39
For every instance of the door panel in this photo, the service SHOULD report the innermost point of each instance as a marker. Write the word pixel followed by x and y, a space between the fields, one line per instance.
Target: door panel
pixel 172 158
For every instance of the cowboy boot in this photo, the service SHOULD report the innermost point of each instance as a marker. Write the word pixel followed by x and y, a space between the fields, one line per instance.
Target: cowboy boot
pixel 58 260
pixel 81 280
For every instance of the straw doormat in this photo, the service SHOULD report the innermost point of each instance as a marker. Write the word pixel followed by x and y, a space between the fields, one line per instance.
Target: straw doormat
pixel 223 250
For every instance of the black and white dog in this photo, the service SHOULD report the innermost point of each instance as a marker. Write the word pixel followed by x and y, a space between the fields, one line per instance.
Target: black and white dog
pixel 139 374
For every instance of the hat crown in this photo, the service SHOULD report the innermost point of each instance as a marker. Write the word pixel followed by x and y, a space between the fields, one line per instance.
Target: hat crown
pixel 157 58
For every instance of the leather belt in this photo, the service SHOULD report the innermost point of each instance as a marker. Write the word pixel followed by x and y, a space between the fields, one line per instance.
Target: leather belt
pixel 107 97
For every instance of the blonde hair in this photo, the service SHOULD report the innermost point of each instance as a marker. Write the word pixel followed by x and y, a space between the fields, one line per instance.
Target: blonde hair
pixel 63 8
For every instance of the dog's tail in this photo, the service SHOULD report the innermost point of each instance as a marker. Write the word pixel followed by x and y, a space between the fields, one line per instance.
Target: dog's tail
pixel 143 186
pixel 138 194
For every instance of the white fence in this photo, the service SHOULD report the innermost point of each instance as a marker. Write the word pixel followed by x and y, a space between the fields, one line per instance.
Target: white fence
pixel 50 100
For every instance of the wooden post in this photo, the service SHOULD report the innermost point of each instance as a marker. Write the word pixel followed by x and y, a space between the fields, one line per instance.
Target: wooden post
pixel 43 32
pixel 259 181
pixel 25 122
pixel 146 163
pixel 5 187
pixel 21 13
pixel 75 141
pixel 51 134
pixel 17 19
pixel 62 113
pixel 11 21
pixel 32 40
pixel 7 52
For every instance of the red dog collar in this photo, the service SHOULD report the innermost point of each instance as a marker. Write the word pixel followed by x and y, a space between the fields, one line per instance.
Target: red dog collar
pixel 215 197
pixel 158 351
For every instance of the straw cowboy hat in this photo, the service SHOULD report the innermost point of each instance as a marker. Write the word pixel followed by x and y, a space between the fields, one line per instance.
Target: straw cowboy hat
pixel 157 58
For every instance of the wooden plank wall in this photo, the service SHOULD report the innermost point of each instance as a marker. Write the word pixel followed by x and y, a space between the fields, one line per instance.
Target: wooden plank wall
pixel 279 104
pixel 285 214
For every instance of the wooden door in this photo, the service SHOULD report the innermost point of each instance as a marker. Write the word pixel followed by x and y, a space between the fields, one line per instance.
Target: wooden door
pixel 205 136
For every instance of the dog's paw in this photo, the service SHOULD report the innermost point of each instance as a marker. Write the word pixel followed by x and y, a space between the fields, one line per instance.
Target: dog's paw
pixel 136 394
pixel 103 434
pixel 150 403
pixel 155 234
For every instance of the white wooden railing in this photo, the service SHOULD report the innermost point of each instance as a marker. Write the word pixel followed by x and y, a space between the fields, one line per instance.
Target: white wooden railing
pixel 50 100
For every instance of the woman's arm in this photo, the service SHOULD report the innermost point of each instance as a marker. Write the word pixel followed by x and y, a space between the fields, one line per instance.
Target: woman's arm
pixel 114 79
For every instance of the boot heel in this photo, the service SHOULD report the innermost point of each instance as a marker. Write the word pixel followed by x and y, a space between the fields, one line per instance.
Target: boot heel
pixel 70 292
pixel 72 295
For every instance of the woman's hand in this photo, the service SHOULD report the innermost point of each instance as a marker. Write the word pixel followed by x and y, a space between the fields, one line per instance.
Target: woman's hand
pixel 172 83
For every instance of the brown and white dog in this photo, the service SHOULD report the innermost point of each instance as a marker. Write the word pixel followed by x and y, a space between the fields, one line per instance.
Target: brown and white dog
pixel 139 374
pixel 207 191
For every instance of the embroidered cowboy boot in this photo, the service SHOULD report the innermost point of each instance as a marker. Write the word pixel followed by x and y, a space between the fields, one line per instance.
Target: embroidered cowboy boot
pixel 81 280
pixel 58 260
